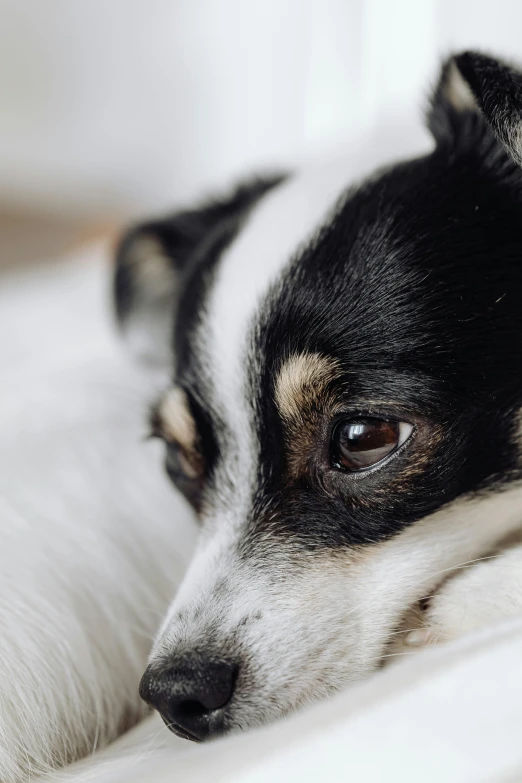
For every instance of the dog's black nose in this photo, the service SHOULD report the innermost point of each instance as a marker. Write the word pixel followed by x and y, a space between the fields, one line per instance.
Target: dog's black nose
pixel 191 696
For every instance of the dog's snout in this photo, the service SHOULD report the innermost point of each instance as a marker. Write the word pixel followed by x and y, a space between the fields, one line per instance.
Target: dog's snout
pixel 191 696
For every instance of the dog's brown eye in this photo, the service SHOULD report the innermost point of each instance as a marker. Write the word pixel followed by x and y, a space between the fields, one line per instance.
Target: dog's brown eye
pixel 361 443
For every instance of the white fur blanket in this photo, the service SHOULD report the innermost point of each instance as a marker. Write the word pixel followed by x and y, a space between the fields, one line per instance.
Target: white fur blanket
pixel 92 538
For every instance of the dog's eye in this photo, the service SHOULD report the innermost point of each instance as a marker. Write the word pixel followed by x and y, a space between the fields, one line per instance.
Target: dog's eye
pixel 360 443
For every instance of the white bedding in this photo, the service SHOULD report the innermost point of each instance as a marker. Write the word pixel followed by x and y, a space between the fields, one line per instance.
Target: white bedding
pixel 449 714
pixel 92 538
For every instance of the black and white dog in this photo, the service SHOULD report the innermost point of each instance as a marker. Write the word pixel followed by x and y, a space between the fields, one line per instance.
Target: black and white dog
pixel 344 414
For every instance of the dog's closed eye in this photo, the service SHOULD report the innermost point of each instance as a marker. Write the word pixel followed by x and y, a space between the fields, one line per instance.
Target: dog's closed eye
pixel 186 471
pixel 172 421
pixel 358 444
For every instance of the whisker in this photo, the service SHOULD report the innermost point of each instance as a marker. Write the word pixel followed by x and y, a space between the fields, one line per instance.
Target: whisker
pixel 458 566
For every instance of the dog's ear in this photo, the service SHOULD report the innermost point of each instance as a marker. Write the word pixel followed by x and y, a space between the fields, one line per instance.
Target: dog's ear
pixel 476 88
pixel 152 257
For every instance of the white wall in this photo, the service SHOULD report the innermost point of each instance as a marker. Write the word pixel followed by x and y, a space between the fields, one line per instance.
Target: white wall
pixel 131 104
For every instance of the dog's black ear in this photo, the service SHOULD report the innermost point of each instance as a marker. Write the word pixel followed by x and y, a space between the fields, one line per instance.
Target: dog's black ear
pixel 476 87
pixel 152 257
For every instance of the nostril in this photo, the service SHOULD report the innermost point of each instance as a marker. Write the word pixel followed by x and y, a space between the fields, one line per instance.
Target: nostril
pixel 192 709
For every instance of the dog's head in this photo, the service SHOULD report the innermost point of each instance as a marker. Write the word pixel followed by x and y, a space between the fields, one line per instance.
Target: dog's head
pixel 344 407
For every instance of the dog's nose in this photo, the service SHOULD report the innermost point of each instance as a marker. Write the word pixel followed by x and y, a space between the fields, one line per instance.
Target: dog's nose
pixel 190 697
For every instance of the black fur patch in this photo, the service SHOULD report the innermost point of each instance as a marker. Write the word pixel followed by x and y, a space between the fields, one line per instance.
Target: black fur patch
pixel 414 290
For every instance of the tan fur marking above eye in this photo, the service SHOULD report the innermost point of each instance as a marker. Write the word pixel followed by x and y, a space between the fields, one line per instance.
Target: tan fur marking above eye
pixel 301 393
pixel 301 383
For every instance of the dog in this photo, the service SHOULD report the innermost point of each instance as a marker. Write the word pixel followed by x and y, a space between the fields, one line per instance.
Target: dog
pixel 344 409
pixel 341 410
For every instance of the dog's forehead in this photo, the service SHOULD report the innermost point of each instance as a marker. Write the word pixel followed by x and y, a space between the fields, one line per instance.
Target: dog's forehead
pixel 318 244
pixel 225 349
pixel 282 224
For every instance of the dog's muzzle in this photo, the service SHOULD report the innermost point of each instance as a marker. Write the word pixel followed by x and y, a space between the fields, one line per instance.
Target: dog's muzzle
pixel 191 695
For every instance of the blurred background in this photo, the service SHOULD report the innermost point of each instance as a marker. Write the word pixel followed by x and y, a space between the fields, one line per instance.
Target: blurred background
pixel 112 108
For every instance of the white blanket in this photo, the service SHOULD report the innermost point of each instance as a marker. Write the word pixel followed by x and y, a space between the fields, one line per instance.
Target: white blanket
pixel 449 715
